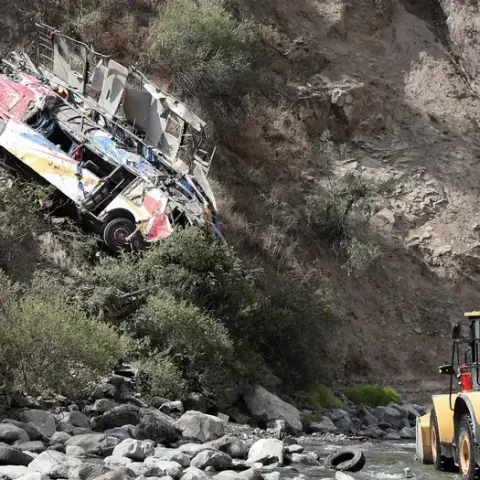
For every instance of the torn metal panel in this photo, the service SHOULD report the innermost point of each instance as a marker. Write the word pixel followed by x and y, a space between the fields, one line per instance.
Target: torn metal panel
pixel 61 59
pixel 136 106
pixel 113 87
pixel 98 76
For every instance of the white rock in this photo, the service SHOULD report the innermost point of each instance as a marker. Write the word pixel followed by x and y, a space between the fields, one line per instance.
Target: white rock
pixel 43 420
pixel 172 455
pixel 265 451
pixel 212 458
pixel 116 463
pixel 272 476
pixel 134 449
pixel 15 471
pixel 173 469
pixel 54 464
pixel 74 451
pixel 192 449
pixel 33 476
pixel 200 426
pixel 194 473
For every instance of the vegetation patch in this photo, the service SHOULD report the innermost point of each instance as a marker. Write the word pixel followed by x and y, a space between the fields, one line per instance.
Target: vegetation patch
pixel 372 395
pixel 322 396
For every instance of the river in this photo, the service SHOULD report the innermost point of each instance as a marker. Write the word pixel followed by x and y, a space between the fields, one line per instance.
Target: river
pixel 385 461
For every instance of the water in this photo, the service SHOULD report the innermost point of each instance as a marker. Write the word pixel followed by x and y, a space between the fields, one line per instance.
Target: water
pixel 385 461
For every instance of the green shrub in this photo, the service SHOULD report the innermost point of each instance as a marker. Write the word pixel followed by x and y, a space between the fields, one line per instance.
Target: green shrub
pixel 322 396
pixel 372 395
pixel 205 50
pixel 48 345
pixel 161 377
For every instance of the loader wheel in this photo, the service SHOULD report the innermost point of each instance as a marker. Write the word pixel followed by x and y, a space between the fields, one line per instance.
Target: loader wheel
pixel 466 449
pixel 440 462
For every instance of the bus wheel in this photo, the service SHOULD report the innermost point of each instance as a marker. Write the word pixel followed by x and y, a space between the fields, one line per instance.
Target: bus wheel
pixel 116 232
pixel 466 449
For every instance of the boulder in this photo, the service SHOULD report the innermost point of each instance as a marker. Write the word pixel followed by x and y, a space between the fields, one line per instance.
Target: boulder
pixel 266 451
pixel 102 405
pixel 341 420
pixel 15 471
pixel 54 464
pixel 294 448
pixel 172 455
pixel 173 469
pixel 33 476
pixel 120 474
pixel 117 417
pixel 251 474
pixel 60 438
pixel 172 408
pixel 94 443
pixel 75 451
pixel 409 411
pixel 392 436
pixel 372 432
pixel 233 446
pixel 117 462
pixel 267 407
pixel 44 421
pixel 74 418
pixel 200 426
pixel 139 469
pixel 272 476
pixel 228 475
pixel 194 473
pixel 191 449
pixel 33 432
pixel 390 415
pixel 113 387
pixel 87 471
pixel 157 426
pixel 325 425
pixel 10 433
pixel 408 433
pixel 212 458
pixel 366 416
pixel 122 433
pixel 35 446
pixel 134 449
pixel 11 456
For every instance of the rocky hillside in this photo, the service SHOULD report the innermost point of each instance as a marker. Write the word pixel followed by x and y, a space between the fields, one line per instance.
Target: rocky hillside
pixel 378 91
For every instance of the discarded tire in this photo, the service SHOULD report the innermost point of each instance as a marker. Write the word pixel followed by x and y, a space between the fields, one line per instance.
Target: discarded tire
pixel 349 460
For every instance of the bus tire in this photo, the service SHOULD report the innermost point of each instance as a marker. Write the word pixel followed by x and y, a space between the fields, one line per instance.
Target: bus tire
pixel 116 232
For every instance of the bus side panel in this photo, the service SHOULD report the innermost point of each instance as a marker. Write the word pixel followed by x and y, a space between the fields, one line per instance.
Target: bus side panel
pixel 47 160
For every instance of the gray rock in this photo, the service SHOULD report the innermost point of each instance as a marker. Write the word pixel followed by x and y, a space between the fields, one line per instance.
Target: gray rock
pixel 251 474
pixel 78 430
pixel 172 455
pixel 139 469
pixel 102 405
pixel 325 425
pixel 36 446
pixel 74 418
pixel 15 471
pixel 392 436
pixel 228 475
pixel 409 411
pixel 195 401
pixel 112 387
pixel 33 432
pixel 75 451
pixel 268 407
pixel 408 433
pixel 341 420
pixel 238 464
pixel 117 462
pixel 157 426
pixel 60 438
pixel 304 459
pixel 272 476
pixel 212 458
pixel 94 443
pixel 117 417
pixel 233 446
pixel 10 433
pixel 294 449
pixel 372 432
pixel 54 464
pixel 390 415
pixel 33 476
pixel 172 469
pixel 191 449
pixel 266 451
pixel 120 474
pixel 87 471
pixel 44 421
pixel 366 416
pixel 11 456
pixel 134 449
pixel 194 473
pixel 172 408
pixel 200 426
pixel 122 433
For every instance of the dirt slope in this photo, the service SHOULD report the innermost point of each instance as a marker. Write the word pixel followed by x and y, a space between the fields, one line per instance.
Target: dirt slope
pixel 409 70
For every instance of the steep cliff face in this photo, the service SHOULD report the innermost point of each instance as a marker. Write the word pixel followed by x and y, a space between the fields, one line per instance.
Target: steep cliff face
pixel 396 81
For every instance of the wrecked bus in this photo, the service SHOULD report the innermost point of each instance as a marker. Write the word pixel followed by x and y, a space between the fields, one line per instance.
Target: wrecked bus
pixel 132 159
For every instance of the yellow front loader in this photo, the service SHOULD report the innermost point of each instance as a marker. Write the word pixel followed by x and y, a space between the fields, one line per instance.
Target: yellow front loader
pixel 449 435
